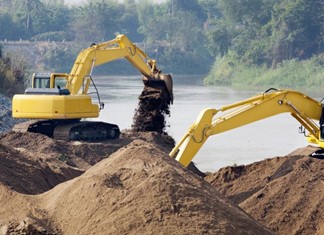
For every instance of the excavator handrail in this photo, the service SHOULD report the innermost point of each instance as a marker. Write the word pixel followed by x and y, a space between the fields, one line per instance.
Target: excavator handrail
pixel 303 108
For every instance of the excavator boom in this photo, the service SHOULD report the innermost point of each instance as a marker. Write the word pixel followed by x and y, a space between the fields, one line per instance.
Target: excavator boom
pixel 120 47
pixel 303 108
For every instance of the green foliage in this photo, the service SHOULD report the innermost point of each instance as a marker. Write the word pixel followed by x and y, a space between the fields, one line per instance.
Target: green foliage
pixel 190 6
pixel 268 32
pixel 60 59
pixel 290 74
pixel 53 36
pixel 169 27
pixel 158 28
pixel 211 9
pixel 297 29
pixel 9 28
pixel 274 43
pixel 174 28
pixel 53 19
pixel 218 37
pixel 245 37
pixel 184 62
pixel 222 71
pixel 11 77
pixel 31 17
pixel 295 74
pixel 97 21
pixel 129 21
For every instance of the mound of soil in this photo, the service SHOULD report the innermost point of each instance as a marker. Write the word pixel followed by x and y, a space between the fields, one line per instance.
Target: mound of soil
pixel 285 194
pixel 138 189
pixel 28 174
pixel 40 162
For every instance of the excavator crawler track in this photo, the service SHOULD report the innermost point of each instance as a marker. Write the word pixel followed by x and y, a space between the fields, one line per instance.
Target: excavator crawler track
pixel 71 129
pixel 87 131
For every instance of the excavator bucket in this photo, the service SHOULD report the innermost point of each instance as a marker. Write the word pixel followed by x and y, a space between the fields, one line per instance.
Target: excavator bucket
pixel 168 84
pixel 162 82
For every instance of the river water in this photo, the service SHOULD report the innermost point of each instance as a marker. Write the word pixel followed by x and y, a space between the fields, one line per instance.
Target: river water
pixel 275 136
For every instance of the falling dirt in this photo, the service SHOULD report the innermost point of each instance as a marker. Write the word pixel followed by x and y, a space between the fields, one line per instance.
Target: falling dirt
pixel 152 109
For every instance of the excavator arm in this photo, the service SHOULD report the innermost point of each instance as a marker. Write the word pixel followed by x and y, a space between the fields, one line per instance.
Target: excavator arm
pixel 118 48
pixel 303 108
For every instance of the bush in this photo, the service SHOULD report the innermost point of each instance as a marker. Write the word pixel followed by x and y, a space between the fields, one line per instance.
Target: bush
pixel 289 74
pixel 222 71
pixel 57 36
pixel 11 77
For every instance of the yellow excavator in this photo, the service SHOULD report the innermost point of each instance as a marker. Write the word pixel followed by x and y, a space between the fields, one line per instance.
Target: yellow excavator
pixel 272 102
pixel 59 100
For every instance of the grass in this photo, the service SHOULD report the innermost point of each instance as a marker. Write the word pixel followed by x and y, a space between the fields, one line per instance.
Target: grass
pixel 292 74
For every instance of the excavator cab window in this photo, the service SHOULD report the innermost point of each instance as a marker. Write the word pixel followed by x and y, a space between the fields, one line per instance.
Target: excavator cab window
pixel 49 80
pixel 60 82
pixel 41 80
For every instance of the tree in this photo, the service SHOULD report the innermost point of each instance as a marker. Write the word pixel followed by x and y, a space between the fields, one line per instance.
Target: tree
pixel 26 7
pixel 96 21
pixel 53 2
pixel 296 29
pixel 218 37
pixel 210 8
pixel 8 28
pixel 191 6
pixel 51 19
pixel 146 10
pixel 169 25
pixel 243 27
pixel 129 21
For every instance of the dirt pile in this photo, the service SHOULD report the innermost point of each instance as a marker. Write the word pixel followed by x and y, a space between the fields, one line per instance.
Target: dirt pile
pixel 285 194
pixel 74 153
pixel 27 174
pixel 136 190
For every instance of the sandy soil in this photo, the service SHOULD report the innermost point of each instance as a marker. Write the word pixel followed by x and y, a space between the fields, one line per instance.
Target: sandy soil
pixel 284 194
pixel 138 189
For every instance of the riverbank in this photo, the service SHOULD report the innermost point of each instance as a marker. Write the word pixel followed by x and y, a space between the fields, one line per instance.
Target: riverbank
pixel 304 75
